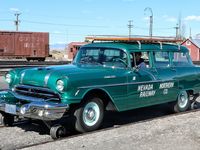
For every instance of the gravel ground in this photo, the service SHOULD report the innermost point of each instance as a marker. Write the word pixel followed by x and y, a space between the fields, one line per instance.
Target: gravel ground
pixel 22 135
pixel 173 132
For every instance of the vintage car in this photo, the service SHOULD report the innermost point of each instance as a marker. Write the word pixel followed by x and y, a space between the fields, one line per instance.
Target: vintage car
pixel 103 76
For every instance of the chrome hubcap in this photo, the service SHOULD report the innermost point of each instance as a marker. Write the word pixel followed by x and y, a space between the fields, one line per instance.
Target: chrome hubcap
pixel 91 114
pixel 183 99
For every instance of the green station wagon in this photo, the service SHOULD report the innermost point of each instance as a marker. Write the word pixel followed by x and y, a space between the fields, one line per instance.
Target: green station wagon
pixel 115 75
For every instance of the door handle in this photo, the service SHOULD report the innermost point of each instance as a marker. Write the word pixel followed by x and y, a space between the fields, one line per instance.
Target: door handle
pixel 173 69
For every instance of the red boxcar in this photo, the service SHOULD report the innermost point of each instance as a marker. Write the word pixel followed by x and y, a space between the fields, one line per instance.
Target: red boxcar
pixel 29 45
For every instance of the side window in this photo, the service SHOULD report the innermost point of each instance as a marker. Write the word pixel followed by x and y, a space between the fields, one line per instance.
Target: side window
pixel 140 59
pixel 115 57
pixel 181 59
pixel 111 53
pixel 161 59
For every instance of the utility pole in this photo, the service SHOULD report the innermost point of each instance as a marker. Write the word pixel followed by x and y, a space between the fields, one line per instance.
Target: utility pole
pixel 177 29
pixel 150 21
pixel 190 33
pixel 180 26
pixel 130 26
pixel 17 21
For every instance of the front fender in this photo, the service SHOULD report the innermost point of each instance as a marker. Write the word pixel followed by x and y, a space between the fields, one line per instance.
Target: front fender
pixel 6 96
pixel 82 93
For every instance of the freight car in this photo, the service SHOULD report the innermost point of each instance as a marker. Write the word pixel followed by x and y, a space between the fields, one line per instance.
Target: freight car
pixel 29 45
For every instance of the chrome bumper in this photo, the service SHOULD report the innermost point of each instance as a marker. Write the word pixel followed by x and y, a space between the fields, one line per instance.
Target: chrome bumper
pixel 36 108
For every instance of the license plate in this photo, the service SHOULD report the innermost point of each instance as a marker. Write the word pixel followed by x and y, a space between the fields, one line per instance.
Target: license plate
pixel 11 109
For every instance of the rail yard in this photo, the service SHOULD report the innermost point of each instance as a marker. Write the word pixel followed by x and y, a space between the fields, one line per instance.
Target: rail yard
pixel 99 75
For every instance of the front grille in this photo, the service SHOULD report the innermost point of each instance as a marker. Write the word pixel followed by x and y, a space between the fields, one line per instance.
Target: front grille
pixel 37 92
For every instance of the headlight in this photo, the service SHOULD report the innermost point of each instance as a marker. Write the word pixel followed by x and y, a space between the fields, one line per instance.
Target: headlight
pixel 60 85
pixel 8 78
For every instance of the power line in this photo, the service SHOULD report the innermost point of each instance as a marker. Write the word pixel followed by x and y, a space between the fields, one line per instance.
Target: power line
pixel 145 28
pixel 61 17
pixel 130 25
pixel 58 24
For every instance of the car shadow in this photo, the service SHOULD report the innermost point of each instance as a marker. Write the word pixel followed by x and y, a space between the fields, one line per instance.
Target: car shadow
pixel 111 119
pixel 33 126
pixel 136 115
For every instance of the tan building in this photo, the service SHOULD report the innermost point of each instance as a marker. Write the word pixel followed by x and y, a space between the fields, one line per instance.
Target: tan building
pixel 73 47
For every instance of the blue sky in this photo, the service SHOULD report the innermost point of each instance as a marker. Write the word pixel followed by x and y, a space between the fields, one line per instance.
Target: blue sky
pixel 68 21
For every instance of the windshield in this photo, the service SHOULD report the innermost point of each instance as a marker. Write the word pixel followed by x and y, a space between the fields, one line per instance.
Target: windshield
pixel 102 56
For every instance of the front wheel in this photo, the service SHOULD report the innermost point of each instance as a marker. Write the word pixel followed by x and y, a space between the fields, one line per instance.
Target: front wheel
pixel 183 102
pixel 89 116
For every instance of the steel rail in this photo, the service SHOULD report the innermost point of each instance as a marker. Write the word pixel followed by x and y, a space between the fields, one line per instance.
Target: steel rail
pixel 109 128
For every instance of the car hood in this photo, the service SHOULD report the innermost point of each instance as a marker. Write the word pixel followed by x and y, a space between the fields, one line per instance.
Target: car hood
pixel 47 76
pixel 40 76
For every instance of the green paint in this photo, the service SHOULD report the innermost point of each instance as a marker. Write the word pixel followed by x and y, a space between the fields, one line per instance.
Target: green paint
pixel 127 87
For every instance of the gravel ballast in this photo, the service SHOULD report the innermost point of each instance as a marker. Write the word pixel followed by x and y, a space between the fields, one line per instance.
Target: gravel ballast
pixel 173 132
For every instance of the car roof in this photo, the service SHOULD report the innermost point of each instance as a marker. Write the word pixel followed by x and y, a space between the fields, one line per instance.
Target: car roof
pixel 134 46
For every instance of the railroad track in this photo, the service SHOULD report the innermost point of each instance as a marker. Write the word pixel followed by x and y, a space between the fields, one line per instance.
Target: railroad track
pixel 15 124
pixel 69 136
pixel 5 66
pixel 196 62
pixel 14 64
pixel 110 128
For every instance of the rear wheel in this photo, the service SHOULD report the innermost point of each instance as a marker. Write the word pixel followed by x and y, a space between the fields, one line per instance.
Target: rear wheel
pixel 183 102
pixel 89 115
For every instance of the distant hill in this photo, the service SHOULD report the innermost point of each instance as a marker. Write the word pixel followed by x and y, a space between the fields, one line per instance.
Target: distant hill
pixel 58 46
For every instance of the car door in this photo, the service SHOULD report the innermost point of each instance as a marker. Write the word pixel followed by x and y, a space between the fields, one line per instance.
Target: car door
pixel 142 85
pixel 186 72
pixel 165 74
